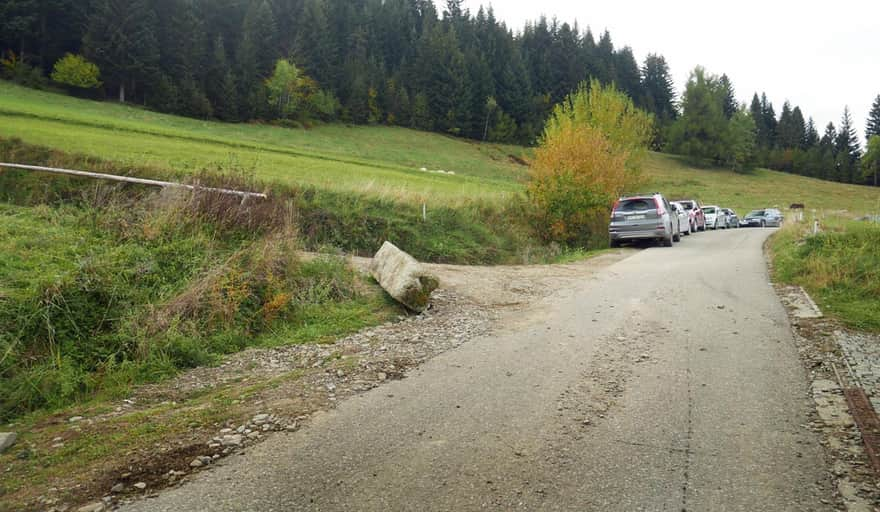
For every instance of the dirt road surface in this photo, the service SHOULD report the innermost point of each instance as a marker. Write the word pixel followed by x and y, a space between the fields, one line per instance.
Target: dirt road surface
pixel 667 380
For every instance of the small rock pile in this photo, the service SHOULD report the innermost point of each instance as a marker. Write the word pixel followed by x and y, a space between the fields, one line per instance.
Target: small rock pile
pixel 232 438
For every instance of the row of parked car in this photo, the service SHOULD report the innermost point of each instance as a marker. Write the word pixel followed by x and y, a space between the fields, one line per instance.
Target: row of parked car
pixel 653 217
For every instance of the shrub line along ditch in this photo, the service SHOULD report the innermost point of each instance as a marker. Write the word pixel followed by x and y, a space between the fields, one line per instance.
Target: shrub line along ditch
pixel 128 179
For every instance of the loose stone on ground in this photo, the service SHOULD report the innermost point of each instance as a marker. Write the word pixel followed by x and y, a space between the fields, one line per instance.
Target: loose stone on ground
pixel 7 439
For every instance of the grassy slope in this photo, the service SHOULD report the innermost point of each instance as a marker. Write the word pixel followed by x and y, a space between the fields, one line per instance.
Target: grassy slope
pixel 380 160
pixel 758 189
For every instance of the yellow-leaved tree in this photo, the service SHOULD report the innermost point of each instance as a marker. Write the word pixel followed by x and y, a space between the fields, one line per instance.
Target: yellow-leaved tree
pixel 590 153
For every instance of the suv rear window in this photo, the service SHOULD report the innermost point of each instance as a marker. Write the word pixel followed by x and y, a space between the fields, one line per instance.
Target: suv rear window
pixel 636 205
pixel 708 209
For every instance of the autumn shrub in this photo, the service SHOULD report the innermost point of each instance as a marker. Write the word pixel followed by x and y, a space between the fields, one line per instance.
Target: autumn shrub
pixel 591 152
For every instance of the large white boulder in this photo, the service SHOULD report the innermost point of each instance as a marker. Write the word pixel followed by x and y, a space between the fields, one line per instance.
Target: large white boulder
pixel 7 439
pixel 403 277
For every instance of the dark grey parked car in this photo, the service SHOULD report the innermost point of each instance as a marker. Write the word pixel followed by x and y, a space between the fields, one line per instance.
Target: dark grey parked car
pixel 762 218
pixel 648 217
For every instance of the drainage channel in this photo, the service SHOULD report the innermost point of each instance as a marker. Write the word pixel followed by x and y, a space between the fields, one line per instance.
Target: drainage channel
pixel 864 415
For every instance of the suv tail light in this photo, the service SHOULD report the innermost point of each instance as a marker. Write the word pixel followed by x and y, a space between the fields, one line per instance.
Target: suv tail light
pixel 659 206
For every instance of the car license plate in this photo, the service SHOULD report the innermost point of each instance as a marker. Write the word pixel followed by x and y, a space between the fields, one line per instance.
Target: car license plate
pixel 636 217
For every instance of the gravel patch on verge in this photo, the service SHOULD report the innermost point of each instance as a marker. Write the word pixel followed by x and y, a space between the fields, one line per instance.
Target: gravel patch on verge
pixel 825 362
pixel 862 353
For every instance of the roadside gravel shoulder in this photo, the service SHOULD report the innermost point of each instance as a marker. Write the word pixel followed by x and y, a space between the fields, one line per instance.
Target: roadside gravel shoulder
pixel 834 358
pixel 258 393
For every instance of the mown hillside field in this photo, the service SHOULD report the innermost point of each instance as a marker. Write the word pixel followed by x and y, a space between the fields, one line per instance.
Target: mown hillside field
pixel 380 161
pixel 377 162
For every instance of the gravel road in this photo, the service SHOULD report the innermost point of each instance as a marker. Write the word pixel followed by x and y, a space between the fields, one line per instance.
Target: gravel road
pixel 665 381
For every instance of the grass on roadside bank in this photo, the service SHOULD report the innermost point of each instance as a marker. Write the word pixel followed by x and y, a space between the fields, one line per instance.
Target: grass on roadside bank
pixel 129 288
pixel 839 267
pixel 104 286
pixel 470 232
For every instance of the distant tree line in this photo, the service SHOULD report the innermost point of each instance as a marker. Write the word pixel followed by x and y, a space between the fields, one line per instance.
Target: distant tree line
pixel 397 62
pixel 394 62
pixel 714 127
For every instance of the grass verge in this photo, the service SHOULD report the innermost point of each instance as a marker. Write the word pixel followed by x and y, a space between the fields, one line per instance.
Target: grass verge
pixel 839 267
pixel 127 286
pixel 470 232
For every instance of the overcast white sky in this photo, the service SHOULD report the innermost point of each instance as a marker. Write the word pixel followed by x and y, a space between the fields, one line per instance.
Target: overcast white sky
pixel 820 56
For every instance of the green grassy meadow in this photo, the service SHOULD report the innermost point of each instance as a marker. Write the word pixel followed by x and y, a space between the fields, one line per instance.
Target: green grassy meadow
pixel 760 188
pixel 380 162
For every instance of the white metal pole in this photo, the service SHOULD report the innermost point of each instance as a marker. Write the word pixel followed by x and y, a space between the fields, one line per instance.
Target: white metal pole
pixel 128 179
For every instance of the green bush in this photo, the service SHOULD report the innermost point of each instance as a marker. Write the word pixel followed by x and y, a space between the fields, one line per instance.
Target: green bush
pixel 75 71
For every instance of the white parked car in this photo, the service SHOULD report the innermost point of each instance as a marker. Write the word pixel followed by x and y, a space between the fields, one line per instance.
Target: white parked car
pixel 684 218
pixel 715 217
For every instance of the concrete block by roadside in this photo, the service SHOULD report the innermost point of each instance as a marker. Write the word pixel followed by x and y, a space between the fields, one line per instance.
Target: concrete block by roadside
pixel 7 439
pixel 403 277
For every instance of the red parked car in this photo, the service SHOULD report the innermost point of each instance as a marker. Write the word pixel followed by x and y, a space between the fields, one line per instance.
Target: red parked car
pixel 695 213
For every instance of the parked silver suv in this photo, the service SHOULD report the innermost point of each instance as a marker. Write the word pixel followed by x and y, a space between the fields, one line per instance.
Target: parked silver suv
pixel 647 217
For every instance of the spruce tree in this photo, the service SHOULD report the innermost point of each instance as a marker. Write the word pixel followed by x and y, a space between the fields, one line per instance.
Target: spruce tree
pixel 784 130
pixel 628 77
pixel 315 48
pixel 757 114
pixel 659 88
pixel 799 128
pixel 255 58
pixel 220 83
pixel 811 136
pixel 121 40
pixel 769 122
pixel 828 151
pixel 730 105
pixel 18 22
pixel 873 125
pixel 847 140
pixel 604 59
pixel 848 148
pixel 791 129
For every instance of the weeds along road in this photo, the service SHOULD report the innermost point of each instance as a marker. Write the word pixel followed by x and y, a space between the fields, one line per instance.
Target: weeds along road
pixel 667 381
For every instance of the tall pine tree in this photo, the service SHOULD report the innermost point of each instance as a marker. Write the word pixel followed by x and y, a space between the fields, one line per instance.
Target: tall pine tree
pixel 121 40
pixel 848 148
pixel 730 104
pixel 873 125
